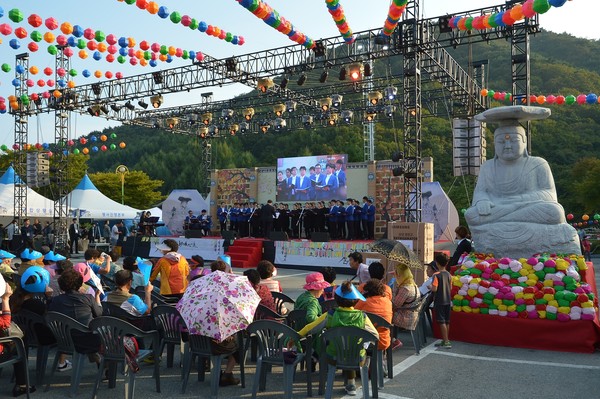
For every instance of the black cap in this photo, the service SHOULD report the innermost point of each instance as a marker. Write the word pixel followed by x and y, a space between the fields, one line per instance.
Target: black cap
pixel 433 266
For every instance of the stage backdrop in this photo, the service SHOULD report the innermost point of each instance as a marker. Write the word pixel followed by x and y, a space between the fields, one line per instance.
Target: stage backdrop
pixel 175 208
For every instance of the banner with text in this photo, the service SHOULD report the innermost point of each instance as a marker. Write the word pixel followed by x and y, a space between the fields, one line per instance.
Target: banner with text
pixel 208 248
pixel 307 253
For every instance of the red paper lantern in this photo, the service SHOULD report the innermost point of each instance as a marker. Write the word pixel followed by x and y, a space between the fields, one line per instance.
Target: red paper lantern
pixel 51 23
pixel 34 20
pixel 21 33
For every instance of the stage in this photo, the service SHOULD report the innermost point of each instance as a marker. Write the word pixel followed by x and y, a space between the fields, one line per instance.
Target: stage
pixel 572 336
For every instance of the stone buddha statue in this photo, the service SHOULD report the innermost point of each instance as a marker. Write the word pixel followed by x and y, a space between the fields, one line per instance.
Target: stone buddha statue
pixel 515 211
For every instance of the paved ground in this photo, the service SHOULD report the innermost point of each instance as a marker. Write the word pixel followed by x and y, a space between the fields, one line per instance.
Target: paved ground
pixel 466 371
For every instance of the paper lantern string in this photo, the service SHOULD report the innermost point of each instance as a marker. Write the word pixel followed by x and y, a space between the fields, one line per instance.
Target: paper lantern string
pixel 505 18
pixel 272 18
pixel 339 17
pixel 580 99
pixel 185 20
pixel 395 11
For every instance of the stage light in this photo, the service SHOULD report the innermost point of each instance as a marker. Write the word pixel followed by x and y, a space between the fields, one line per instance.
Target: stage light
pixel 116 107
pixel 226 114
pixel 104 109
pixel 284 83
pixel 264 84
pixel 278 109
pixel 192 119
pixel 172 122
pixel 347 116
pixel 156 125
pixel 248 113
pixel 233 129
pixel 203 132
pixel 264 127
pixel 213 130
pixel 412 112
pixel 207 118
pixel 323 77
pixel 94 110
pixel 157 77
pixel 319 49
pixel 391 92
pixel 156 100
pixel 336 100
pixel 290 106
pixel 325 103
pixel 374 97
pixel 244 127
pixel 370 116
pixel 301 79
pixel 143 104
pixel 307 121
pixel 444 24
pixel 356 71
pixel 231 64
pixel 96 89
pixel 279 124
pixel 367 69
pixel 129 106
pixel 389 110
pixel 332 120
pixel 342 74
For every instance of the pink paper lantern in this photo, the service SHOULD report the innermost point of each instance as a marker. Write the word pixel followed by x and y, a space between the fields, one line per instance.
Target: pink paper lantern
pixel 89 34
pixel 68 51
pixel 111 39
pixel 51 23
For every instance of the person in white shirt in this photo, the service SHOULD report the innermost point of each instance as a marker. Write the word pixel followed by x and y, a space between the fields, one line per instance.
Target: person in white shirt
pixel 114 234
pixel 431 269
pixel 362 270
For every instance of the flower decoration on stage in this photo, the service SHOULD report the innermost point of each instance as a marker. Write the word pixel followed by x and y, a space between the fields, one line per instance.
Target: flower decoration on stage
pixel 187 21
pixel 395 11
pixel 272 18
pixel 541 287
pixel 339 17
pixel 505 18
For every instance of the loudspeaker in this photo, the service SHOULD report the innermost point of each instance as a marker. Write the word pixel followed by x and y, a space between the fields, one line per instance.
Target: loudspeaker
pixel 193 234
pixel 228 234
pixel 279 236
pixel 320 236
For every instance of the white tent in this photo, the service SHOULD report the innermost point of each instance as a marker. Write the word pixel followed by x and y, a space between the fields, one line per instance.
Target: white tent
pixel 37 204
pixel 86 201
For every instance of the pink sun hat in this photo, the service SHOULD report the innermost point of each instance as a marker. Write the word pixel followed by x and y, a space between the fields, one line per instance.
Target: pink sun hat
pixel 315 281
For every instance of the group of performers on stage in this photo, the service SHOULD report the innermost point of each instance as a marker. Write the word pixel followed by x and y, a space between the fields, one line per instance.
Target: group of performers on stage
pixel 297 185
pixel 349 221
pixel 202 222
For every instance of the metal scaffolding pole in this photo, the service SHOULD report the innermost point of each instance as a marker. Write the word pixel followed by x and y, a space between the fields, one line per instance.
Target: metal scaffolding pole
pixel 21 136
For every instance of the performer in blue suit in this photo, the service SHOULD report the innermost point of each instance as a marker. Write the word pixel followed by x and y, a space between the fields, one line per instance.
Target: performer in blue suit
pixel 319 182
pixel 304 185
pixel 350 219
pixel 222 216
pixel 371 219
pixel 330 184
pixel 332 218
pixel 364 218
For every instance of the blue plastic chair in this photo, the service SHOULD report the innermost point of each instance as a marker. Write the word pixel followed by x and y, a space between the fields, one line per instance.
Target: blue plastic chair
pixel 172 330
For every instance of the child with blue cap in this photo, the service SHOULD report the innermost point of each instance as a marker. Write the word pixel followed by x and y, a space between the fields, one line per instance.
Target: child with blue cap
pixel 346 296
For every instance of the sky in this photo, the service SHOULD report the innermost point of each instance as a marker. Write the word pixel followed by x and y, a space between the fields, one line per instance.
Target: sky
pixel 577 17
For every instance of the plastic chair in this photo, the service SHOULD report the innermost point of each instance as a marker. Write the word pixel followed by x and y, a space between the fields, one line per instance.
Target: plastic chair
pixel 170 326
pixel 142 322
pixel 296 319
pixel 272 340
pixel 20 356
pixel 200 346
pixel 348 342
pixel 415 329
pixel 108 282
pixel 112 331
pixel 263 312
pixel 380 322
pixel 27 320
pixel 425 316
pixel 326 306
pixel 61 326
pixel 280 300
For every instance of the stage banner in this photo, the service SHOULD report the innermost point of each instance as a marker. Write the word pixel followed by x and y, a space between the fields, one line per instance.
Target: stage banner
pixel 208 248
pixel 307 253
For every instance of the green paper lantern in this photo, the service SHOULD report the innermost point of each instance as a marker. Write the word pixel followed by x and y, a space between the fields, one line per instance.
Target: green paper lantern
pixel 463 210
pixel 559 288
pixel 464 302
pixel 76 151
pixel 570 99
pixel 5 67
pixel 175 17
pixel 121 59
pixel 3 147
pixel 15 15
pixel 113 135
pixel 559 296
pixel 113 147
pixel 521 308
pixel 550 316
pixel 492 20
pixel 185 55
pixel 81 44
pixel 484 311
pixel 488 296
pixel 456 302
pixel 52 50
pixel 164 50
pixel 229 36
pixel 597 216
pixel 469 23
pixel 252 7
pixel 549 269
pixel 541 274
pixel 130 2
pixel 491 93
pixel 99 36
pixel 568 280
pixel 508 302
pixel 493 306
pixel 194 24
pixel 36 36
pixel 72 72
pixel 563 303
pixel 541 301
pixel 541 6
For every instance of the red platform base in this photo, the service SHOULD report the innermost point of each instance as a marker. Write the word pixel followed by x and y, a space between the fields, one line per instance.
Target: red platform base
pixel 573 336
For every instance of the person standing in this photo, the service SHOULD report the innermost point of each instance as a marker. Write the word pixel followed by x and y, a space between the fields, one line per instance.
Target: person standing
pixel 463 246
pixel 222 216
pixel 364 217
pixel 349 212
pixel 74 237
pixel 442 302
pixel 303 187
pixel 587 248
pixel 114 234
pixel 267 213
pixel 173 269
pixel 27 233
pixel 106 231
pixel 371 219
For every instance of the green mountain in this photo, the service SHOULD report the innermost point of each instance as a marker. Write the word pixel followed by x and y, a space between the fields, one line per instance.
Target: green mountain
pixel 561 64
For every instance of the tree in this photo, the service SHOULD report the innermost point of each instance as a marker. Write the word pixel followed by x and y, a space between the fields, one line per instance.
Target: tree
pixel 586 190
pixel 140 190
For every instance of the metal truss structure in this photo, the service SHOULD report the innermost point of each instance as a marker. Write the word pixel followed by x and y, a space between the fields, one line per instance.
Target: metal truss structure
pixel 429 75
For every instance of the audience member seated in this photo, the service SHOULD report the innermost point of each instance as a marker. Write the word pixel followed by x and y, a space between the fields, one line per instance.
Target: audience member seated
pixel 29 258
pixel 197 268
pixel 315 284
pixel 173 269
pixel 431 269
pixel 266 298
pixel 377 271
pixel 8 351
pixel 205 222
pixel 267 271
pixel 121 297
pixel 329 275
pixel 131 263
pixel 377 303
pixel 405 297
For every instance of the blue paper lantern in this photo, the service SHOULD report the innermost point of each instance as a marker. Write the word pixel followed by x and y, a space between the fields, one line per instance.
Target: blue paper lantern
pixel 192 54
pixel 169 58
pixel 65 152
pixel 61 83
pixel 94 138
pixel 77 31
pixel 97 55
pixel 14 43
pixel 1 12
pixel 163 12
pixel 234 40
pixel 72 41
pixel 202 26
pixel 153 63
pixel 86 73
pixel 557 3
pixel 16 82
pixel 123 51
pixel 94 149
pixel 45 146
pixel 591 98
pixel 123 42
pixel 19 69
pixel 3 111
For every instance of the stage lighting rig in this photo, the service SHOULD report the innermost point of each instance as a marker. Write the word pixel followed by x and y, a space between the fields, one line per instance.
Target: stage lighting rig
pixel 374 97
pixel 94 110
pixel 172 122
pixel 226 114
pixel 355 71
pixel 307 121
pixel 157 77
pixel 104 109
pixel 332 120
pixel 116 107
pixel 156 100
pixel 207 118
pixel 278 109
pixel 301 79
pixel 264 126
pixel 325 104
pixel 96 89
pixel 264 84
pixel 391 92
pixel 284 82
pixel 370 115
pixel 389 110
pixel 203 132
pixel 248 113
pixel 244 127
pixel 367 69
pixel 336 100
pixel 233 129
pixel 213 130
pixel 143 104
pixel 323 77
pixel 231 64
pixel 290 106
pixel 342 73
pixel 347 116
pixel 279 124
pixel 130 106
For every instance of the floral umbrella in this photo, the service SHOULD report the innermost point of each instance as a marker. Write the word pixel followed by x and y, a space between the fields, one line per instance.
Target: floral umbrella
pixel 397 252
pixel 218 305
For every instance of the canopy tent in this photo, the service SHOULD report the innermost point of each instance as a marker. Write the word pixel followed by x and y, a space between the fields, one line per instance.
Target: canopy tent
pixel 37 204
pixel 86 201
